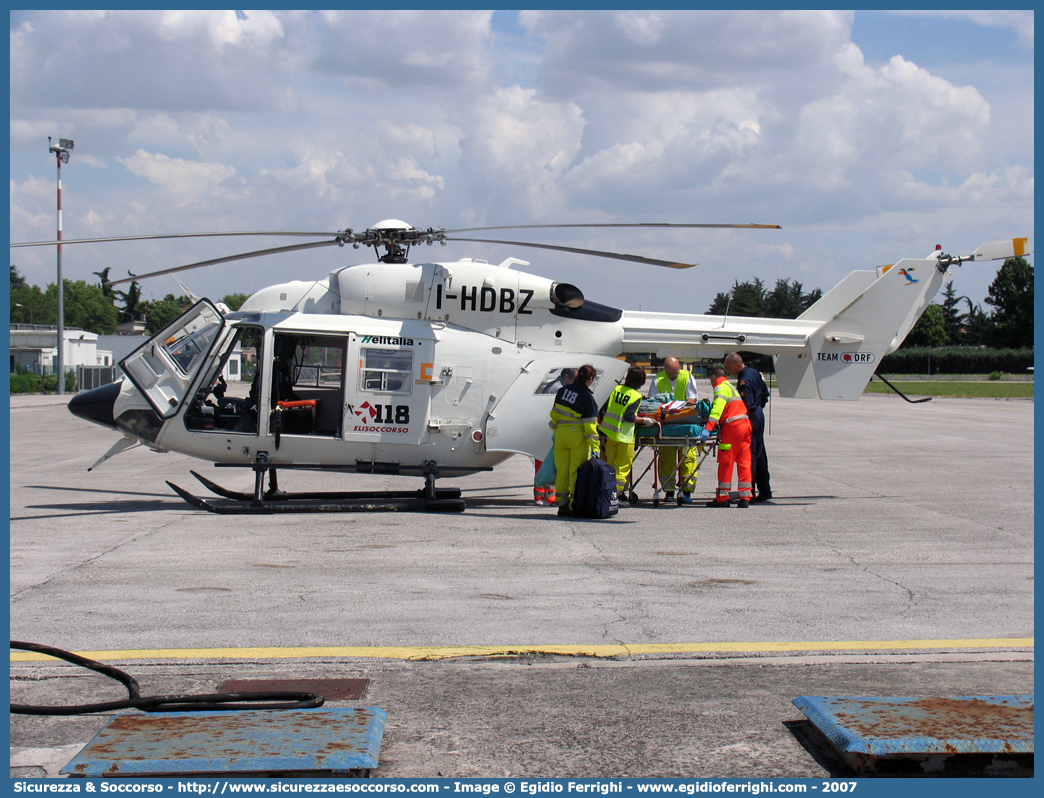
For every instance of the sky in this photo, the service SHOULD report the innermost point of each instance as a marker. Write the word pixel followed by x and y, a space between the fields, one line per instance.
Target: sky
pixel 869 136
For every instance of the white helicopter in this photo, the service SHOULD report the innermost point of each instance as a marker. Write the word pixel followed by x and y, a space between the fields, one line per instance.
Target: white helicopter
pixel 442 369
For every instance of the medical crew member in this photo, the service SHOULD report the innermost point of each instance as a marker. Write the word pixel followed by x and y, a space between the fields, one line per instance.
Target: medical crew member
pixel 682 386
pixel 730 414
pixel 574 421
pixel 619 415
pixel 545 494
pixel 755 396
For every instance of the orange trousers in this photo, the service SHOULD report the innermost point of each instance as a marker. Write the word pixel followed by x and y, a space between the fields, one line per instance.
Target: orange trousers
pixel 734 452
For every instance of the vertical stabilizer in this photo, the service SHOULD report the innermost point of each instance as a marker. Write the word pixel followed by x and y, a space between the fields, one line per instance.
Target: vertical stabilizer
pixel 848 348
pixel 794 372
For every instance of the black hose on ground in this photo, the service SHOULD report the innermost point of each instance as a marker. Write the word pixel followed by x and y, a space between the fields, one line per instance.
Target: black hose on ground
pixel 166 703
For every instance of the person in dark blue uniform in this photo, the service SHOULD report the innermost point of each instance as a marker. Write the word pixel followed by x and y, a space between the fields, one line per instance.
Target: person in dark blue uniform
pixel 755 396
pixel 574 421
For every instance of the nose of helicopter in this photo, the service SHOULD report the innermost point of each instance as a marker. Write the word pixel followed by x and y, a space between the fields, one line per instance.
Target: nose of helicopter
pixel 96 405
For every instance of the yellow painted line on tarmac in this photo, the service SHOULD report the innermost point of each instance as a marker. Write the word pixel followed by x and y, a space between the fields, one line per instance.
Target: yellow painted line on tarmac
pixel 449 652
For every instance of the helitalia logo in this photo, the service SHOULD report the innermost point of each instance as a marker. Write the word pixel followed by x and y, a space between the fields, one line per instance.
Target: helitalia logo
pixel 387 340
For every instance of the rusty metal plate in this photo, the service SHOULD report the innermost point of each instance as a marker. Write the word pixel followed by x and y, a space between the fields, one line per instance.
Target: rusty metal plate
pixel 330 689
pixel 324 741
pixel 924 726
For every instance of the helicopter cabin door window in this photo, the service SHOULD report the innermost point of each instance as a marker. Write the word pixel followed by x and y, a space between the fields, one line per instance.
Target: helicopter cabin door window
pixel 164 368
pixel 307 395
pixel 387 371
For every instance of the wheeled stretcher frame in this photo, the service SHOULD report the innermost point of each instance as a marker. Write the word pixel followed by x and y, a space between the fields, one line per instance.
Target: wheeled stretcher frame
pixel 656 442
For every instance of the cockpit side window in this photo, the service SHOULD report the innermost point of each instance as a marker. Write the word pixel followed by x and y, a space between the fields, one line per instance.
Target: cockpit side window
pixel 187 345
pixel 227 399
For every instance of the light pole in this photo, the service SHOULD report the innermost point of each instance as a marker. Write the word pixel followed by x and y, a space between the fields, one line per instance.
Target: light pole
pixel 26 307
pixel 61 152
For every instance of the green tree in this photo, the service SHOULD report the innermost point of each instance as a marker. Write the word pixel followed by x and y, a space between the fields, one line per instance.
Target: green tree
pixel 786 301
pixel 131 299
pixel 930 329
pixel 748 299
pixel 235 301
pixel 16 279
pixel 159 314
pixel 953 319
pixel 85 306
pixel 978 327
pixel 34 306
pixel 811 298
pixel 1011 295
pixel 720 304
pixel 103 284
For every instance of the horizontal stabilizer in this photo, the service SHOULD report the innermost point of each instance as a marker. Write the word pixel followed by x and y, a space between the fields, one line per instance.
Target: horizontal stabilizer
pixel 1000 250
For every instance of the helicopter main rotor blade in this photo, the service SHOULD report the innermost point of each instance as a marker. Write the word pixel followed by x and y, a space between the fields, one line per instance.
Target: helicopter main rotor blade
pixel 578 251
pixel 171 235
pixel 243 256
pixel 659 225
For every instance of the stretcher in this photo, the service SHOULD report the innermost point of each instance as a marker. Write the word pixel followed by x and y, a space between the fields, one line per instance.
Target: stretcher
pixel 673 412
pixel 661 437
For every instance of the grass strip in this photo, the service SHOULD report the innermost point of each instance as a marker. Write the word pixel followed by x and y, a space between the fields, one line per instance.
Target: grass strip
pixel 989 389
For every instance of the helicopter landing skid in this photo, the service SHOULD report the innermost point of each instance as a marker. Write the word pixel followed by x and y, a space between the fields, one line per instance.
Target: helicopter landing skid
pixel 278 495
pixel 274 500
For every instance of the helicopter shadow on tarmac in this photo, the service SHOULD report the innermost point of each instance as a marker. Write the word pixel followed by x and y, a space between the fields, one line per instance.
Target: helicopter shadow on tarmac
pixel 475 504
pixel 158 502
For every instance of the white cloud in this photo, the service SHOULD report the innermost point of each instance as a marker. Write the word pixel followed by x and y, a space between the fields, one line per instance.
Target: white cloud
pixel 672 49
pixel 322 120
pixel 200 133
pixel 28 201
pixel 671 141
pixel 185 181
pixel 416 138
pixel 1011 186
pixel 518 148
pixel 1019 22
pixel 191 60
pixel 438 51
pixel 644 28
pixel 257 28
pixel 887 121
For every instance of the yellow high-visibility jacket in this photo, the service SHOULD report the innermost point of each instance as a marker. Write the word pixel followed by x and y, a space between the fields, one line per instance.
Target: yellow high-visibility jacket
pixel 619 413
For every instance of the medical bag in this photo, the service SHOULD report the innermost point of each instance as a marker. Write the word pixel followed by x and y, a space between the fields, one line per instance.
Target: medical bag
pixel 595 494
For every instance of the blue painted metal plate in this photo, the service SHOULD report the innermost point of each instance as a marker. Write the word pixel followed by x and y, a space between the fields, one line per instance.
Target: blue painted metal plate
pixel 235 742
pixel 890 726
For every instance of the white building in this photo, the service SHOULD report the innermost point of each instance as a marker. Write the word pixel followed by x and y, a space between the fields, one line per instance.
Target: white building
pixel 35 346
pixel 123 345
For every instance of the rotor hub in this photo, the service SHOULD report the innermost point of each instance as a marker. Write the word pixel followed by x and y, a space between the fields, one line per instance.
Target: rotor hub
pixel 395 236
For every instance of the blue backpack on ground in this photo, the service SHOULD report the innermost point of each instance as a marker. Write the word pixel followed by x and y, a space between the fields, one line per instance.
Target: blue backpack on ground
pixel 595 495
